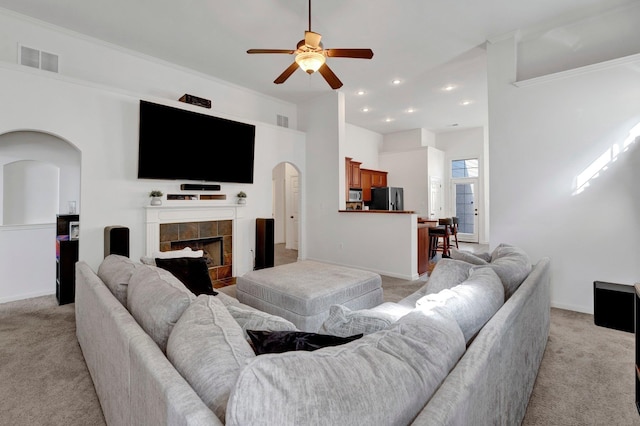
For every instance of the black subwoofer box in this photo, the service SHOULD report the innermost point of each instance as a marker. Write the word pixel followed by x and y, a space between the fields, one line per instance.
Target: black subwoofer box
pixel 613 306
pixel 116 240
pixel 264 243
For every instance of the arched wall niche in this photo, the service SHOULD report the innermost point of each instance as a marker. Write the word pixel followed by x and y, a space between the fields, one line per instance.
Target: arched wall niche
pixel 26 146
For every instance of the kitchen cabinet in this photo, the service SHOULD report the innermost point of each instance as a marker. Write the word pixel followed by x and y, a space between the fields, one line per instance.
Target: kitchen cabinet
pixel 354 171
pixel 371 179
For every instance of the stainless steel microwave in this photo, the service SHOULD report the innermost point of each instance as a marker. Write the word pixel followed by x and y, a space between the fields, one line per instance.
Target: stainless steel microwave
pixel 355 194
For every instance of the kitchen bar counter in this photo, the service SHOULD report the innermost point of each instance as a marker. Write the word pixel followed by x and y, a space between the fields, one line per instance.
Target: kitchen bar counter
pixel 378 211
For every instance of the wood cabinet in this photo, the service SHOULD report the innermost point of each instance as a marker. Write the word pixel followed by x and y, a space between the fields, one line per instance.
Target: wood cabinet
pixel 423 248
pixel 353 173
pixel 371 179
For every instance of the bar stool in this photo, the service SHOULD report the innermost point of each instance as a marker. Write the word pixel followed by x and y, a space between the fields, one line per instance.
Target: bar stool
pixel 442 231
pixel 454 230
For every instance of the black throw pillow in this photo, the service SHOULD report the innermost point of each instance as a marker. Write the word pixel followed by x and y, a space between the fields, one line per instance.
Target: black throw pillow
pixel 275 342
pixel 192 271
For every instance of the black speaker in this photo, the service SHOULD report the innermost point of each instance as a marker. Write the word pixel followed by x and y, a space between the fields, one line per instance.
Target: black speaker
pixel 199 187
pixel 264 243
pixel 116 240
pixel 614 306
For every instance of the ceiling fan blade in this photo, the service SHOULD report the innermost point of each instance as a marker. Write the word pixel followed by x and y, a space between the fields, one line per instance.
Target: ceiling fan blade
pixel 312 39
pixel 286 74
pixel 289 51
pixel 350 53
pixel 331 78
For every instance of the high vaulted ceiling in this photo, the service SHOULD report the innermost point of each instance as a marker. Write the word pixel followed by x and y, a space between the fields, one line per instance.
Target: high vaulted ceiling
pixel 426 44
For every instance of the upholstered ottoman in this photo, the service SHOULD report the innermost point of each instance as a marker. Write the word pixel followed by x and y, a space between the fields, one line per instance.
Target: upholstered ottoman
pixel 303 292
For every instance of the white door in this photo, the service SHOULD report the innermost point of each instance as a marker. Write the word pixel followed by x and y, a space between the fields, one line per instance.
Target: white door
pixel 435 197
pixel 293 208
pixel 465 207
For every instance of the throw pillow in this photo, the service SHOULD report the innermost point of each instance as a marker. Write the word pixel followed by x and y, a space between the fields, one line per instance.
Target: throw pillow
pixel 275 342
pixel 472 303
pixel 156 299
pixel 447 273
pixel 252 319
pixel 344 322
pixel 192 271
pixel 467 256
pixel 115 271
pixel 209 350
pixel 170 254
pixel 512 265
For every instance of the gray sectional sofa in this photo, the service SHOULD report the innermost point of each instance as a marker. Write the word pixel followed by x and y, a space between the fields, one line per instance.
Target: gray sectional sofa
pixel 453 353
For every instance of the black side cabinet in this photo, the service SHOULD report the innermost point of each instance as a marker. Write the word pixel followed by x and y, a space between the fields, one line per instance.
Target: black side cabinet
pixel 613 306
pixel 637 363
pixel 66 258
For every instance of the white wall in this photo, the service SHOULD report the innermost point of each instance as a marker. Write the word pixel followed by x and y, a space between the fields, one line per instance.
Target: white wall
pixel 101 121
pixel 95 61
pixel 362 145
pixel 409 170
pixel 408 140
pixel 30 192
pixel 384 243
pixel 542 136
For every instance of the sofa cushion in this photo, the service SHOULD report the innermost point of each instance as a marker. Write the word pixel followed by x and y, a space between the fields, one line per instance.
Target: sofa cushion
pixel 275 342
pixel 446 274
pixel 382 378
pixel 170 254
pixel 467 256
pixel 156 299
pixel 473 302
pixel 208 348
pixel 512 265
pixel 252 319
pixel 344 322
pixel 115 271
pixel 193 272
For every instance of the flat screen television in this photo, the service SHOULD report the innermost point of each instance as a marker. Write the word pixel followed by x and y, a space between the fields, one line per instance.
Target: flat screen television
pixel 179 144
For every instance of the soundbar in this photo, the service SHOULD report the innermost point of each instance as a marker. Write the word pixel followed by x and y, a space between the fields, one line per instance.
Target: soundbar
pixel 199 187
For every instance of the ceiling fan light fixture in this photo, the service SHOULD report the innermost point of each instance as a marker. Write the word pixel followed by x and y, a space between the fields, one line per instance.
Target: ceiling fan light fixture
pixel 310 62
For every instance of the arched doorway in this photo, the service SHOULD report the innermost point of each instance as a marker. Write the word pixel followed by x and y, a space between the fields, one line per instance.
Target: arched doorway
pixel 286 211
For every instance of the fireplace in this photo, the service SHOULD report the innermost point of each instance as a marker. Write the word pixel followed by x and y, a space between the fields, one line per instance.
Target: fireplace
pixel 213 237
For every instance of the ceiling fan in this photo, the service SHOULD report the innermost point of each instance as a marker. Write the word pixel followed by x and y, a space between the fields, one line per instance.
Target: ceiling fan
pixel 311 57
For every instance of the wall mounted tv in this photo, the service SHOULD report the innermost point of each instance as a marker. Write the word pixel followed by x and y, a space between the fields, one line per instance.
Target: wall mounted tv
pixel 179 144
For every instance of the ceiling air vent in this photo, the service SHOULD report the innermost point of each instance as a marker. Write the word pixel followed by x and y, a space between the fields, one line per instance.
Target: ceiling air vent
pixel 36 59
pixel 283 121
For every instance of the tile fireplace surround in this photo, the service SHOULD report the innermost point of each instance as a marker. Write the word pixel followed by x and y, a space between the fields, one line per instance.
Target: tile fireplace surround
pixel 171 227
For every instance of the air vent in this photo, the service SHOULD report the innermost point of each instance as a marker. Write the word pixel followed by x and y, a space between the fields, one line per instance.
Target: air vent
pixel 34 58
pixel 283 121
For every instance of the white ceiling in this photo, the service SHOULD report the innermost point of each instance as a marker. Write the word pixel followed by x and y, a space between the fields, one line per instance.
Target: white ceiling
pixel 427 44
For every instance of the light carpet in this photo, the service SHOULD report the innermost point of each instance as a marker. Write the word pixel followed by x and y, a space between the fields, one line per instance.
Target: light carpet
pixel 586 376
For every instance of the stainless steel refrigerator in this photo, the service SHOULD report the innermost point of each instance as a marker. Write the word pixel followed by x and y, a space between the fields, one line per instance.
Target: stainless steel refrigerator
pixel 387 198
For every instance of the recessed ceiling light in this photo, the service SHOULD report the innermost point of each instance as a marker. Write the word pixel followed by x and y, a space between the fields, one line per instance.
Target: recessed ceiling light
pixel 449 87
pixel 388 120
pixel 410 110
pixel 466 102
pixel 395 81
pixel 360 92
pixel 365 109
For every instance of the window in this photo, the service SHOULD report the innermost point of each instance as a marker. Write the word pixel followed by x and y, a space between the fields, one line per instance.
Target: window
pixel 464 168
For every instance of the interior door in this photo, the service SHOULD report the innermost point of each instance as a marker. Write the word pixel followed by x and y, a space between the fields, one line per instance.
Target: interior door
pixel 293 208
pixel 465 196
pixel 435 197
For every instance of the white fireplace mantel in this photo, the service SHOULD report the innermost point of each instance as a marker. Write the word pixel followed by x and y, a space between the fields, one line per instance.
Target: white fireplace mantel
pixel 157 215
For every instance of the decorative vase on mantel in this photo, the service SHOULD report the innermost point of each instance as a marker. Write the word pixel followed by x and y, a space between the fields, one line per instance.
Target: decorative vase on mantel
pixel 242 197
pixel 156 197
